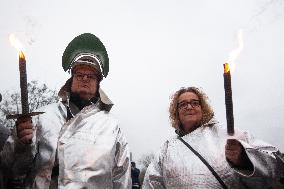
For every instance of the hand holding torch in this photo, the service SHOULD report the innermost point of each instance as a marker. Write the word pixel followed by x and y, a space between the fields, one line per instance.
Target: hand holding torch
pixel 24 127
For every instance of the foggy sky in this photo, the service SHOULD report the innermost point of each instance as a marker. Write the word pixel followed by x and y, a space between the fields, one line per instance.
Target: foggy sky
pixel 156 47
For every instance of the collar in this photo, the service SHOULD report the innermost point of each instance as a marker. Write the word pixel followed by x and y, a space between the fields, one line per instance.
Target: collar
pixel 213 121
pixel 104 103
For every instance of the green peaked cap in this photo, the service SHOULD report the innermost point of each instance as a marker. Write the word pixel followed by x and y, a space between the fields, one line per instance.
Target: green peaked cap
pixel 86 43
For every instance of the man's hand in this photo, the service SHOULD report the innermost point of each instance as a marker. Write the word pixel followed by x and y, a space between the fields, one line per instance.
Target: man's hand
pixel 25 129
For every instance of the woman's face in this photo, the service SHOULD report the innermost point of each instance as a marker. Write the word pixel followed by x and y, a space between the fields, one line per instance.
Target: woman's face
pixel 189 111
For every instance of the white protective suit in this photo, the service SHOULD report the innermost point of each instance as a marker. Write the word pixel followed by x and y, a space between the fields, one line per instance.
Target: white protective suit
pixel 90 150
pixel 177 167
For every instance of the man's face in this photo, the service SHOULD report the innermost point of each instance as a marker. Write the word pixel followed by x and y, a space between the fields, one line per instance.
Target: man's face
pixel 84 82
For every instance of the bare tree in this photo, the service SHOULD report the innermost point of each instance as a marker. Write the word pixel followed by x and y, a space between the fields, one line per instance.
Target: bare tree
pixel 145 161
pixel 39 95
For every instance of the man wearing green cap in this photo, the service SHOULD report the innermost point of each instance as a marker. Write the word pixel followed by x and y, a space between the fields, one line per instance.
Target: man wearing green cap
pixel 76 143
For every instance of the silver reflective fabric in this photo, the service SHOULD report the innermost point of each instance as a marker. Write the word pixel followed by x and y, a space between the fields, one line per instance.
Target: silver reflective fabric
pixel 175 166
pixel 90 149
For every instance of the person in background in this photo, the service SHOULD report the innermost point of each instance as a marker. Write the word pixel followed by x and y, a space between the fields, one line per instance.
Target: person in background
pixel 4 134
pixel 4 172
pixel 135 172
pixel 76 143
pixel 202 155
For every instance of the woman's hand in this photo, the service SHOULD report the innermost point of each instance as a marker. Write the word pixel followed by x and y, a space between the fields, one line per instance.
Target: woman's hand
pixel 236 154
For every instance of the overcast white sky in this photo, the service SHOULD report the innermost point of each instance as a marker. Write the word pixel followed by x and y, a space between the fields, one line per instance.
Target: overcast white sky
pixel 156 47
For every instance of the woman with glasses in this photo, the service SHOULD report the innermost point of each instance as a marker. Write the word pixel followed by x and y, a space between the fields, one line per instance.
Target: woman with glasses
pixel 202 156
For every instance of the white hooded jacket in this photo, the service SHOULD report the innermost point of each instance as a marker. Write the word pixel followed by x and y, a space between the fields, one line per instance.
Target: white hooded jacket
pixel 176 166
pixel 90 149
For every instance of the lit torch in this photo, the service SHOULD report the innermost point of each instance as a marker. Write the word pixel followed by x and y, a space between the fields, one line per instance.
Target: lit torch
pixel 228 66
pixel 228 99
pixel 23 82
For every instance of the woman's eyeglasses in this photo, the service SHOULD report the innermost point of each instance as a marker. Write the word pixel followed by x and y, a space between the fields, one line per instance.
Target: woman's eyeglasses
pixel 184 104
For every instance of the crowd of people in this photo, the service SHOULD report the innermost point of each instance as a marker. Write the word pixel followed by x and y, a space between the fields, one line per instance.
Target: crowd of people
pixel 77 142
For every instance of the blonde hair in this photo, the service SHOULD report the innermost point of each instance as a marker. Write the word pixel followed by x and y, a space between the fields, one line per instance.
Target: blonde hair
pixel 207 111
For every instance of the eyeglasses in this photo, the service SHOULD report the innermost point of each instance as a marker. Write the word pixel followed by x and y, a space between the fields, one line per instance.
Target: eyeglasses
pixel 184 104
pixel 81 76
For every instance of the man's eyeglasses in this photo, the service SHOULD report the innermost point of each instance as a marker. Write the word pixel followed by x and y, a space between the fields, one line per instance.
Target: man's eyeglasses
pixel 81 76
pixel 184 104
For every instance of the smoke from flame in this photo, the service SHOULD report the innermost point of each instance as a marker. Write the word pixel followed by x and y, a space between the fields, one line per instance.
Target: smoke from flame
pixel 235 53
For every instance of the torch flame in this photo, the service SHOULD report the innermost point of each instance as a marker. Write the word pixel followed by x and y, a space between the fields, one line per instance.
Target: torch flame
pixel 226 68
pixel 15 42
pixel 235 53
pixel 18 45
pixel 21 55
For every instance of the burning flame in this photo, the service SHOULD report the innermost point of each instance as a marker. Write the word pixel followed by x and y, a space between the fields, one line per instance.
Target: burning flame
pixel 18 45
pixel 21 55
pixel 226 68
pixel 235 53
